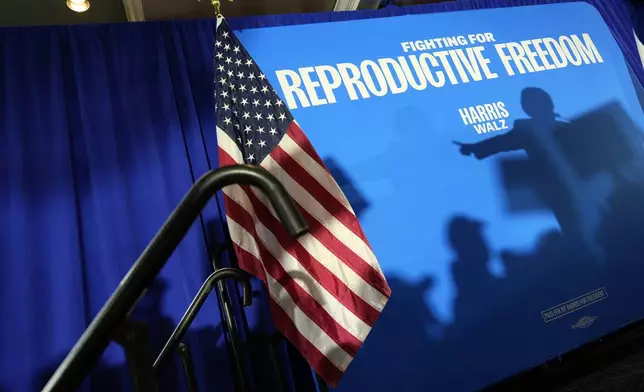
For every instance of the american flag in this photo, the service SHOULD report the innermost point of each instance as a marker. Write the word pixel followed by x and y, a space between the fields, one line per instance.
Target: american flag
pixel 326 287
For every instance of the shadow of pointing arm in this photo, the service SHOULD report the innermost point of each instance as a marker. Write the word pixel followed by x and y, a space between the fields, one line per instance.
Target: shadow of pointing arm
pixel 491 146
pixel 86 352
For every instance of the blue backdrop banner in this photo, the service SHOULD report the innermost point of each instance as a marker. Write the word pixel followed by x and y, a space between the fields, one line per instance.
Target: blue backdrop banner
pixel 495 161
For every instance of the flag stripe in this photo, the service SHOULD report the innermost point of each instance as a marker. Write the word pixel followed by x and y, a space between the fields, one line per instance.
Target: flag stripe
pixel 316 170
pixel 310 329
pixel 296 134
pixel 315 188
pixel 363 300
pixel 319 342
pixel 323 314
pixel 319 362
pixel 249 259
pixel 233 156
pixel 313 208
pixel 309 262
pixel 332 317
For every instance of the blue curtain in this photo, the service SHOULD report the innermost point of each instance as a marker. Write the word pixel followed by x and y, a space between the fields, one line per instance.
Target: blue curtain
pixel 103 128
pixel 101 135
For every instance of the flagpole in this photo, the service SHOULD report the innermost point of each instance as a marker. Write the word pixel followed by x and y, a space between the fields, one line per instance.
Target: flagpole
pixel 222 291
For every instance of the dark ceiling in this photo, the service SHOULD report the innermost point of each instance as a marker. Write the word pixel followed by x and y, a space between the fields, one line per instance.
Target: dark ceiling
pixel 184 9
pixel 55 12
pixel 48 12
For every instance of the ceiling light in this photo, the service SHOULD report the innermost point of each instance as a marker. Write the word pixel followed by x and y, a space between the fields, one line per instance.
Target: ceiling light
pixel 78 5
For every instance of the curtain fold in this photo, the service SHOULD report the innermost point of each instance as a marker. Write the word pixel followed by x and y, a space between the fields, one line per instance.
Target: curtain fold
pixel 103 129
pixel 101 137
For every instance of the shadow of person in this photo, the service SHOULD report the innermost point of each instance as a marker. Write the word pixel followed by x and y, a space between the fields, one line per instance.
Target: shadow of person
pixel 117 377
pixel 356 198
pixel 211 360
pixel 400 352
pixel 541 277
pixel 103 378
pixel 471 336
pixel 574 188
pixel 206 346
pixel 478 289
pixel 208 353
pixel 149 310
pixel 489 312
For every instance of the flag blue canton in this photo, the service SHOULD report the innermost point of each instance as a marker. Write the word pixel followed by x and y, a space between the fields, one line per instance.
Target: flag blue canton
pixel 247 108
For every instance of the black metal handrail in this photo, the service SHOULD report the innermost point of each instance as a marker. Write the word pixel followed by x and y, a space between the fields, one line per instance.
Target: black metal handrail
pixel 88 349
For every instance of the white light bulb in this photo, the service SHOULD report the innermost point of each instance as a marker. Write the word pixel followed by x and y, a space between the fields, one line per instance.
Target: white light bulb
pixel 78 5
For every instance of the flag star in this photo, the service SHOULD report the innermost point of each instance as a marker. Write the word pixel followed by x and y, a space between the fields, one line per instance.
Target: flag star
pixel 226 47
pixel 220 68
pixel 224 93
pixel 265 89
pixel 258 116
pixel 242 87
pixel 234 98
pixel 262 76
pixel 267 103
pixel 236 49
pixel 251 157
pixel 244 101
pixel 251 76
pixel 260 130
pixel 249 142
pixel 279 103
pixel 219 56
pixel 240 75
pixel 225 106
pixel 238 62
pixel 239 140
pixel 256 101
pixel 237 126
pixel 227 120
pixel 273 131
pixel 228 60
pixel 246 115
pixel 222 80
pixel 235 113
pixel 247 129
pixel 230 73
pixel 232 86
pixel 270 116
pixel 249 62
pixel 225 34
pixel 262 143
pixel 282 116
pixel 253 90
pixel 218 44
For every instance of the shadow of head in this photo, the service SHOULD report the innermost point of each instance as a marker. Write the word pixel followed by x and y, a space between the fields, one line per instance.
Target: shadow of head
pixel 465 236
pixel 537 104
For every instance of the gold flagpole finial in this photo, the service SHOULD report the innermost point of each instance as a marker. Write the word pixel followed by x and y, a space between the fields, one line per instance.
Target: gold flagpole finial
pixel 217 6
